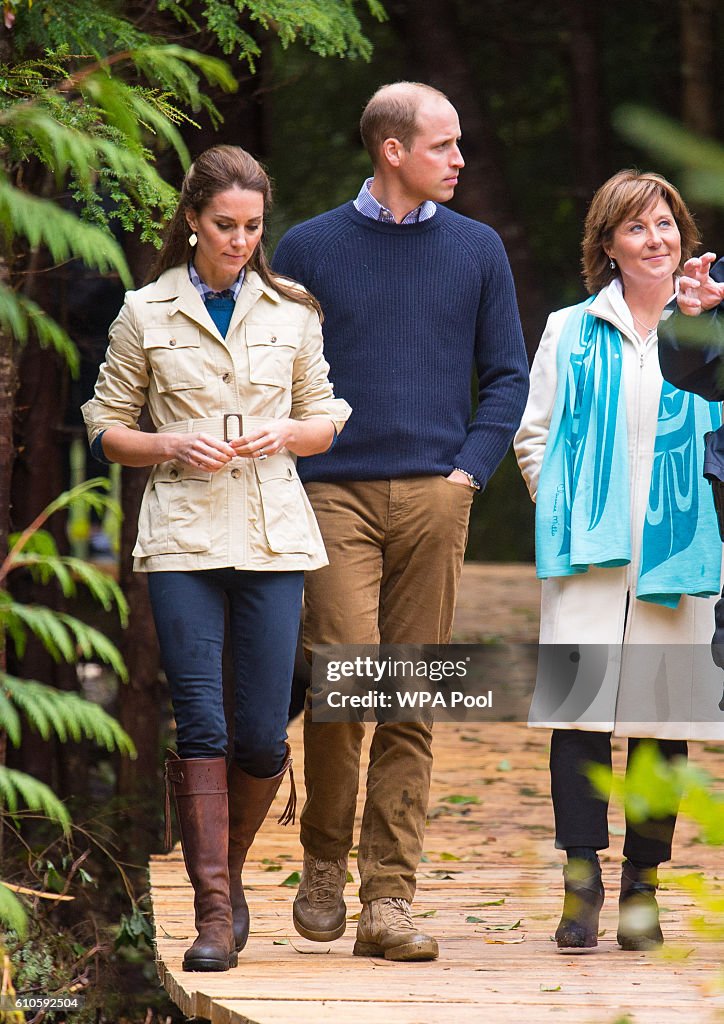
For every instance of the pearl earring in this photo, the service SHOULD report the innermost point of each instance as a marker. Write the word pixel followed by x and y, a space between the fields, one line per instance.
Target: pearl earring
pixel 612 263
pixel 193 239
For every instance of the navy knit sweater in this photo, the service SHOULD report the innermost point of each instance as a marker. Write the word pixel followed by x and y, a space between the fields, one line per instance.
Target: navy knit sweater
pixel 409 309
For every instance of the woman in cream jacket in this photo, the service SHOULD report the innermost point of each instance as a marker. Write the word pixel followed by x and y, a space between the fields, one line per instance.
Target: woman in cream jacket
pixel 228 360
pixel 624 643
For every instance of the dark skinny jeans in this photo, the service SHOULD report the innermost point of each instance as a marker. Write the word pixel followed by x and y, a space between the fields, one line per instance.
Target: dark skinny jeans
pixel 264 608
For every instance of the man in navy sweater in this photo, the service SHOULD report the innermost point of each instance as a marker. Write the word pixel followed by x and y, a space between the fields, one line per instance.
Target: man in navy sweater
pixel 413 296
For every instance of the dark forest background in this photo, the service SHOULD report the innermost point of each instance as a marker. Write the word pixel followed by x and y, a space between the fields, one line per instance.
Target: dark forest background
pixel 540 89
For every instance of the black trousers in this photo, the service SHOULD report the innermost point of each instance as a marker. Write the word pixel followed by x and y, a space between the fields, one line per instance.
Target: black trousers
pixel 581 813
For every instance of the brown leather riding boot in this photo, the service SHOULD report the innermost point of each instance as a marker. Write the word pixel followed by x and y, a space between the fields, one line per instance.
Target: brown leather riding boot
pixel 200 794
pixel 249 800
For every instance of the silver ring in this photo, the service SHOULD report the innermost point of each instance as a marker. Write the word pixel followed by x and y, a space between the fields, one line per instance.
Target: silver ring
pixel 261 454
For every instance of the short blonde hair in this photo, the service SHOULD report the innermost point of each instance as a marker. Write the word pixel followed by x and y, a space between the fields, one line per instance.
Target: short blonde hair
pixel 627 194
pixel 391 113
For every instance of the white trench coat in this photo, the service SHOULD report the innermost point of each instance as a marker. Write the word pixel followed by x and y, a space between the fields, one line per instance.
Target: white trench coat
pixel 618 664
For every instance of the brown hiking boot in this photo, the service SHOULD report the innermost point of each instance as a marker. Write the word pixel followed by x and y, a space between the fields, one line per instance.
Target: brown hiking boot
pixel 385 929
pixel 320 913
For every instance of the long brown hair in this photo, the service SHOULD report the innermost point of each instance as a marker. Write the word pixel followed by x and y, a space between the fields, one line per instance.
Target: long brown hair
pixel 627 194
pixel 217 170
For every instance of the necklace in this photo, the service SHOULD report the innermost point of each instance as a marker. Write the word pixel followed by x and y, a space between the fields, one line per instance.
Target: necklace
pixel 649 330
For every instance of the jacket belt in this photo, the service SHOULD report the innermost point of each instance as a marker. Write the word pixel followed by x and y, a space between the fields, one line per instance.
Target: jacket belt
pixel 225 428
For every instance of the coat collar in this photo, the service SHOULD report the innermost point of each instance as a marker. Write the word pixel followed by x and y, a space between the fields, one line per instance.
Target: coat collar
pixel 174 286
pixel 610 305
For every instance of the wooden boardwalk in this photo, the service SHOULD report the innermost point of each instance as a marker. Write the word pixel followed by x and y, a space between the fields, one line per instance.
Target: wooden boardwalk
pixel 489 889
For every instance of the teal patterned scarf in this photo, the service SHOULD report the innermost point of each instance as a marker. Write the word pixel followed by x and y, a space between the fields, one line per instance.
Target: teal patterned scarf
pixel 583 501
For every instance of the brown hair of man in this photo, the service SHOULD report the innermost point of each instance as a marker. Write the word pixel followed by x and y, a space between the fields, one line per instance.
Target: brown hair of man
pixel 213 171
pixel 391 113
pixel 624 196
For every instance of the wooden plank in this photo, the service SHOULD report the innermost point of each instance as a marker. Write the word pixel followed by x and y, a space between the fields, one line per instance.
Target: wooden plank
pixel 497 849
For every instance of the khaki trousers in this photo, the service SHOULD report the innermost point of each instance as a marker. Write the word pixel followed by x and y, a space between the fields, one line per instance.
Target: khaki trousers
pixel 396 551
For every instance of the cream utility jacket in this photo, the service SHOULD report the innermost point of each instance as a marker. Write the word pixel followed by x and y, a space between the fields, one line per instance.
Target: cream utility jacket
pixel 599 607
pixel 165 352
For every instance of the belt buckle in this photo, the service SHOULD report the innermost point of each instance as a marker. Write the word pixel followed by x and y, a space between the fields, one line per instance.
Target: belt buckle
pixel 240 425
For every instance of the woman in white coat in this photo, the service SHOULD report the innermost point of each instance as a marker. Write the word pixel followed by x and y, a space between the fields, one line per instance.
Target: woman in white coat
pixel 227 357
pixel 626 544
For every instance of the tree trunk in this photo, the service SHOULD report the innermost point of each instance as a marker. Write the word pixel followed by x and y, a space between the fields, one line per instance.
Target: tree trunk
pixel 140 701
pixel 585 98
pixel 698 107
pixel 697 59
pixel 438 52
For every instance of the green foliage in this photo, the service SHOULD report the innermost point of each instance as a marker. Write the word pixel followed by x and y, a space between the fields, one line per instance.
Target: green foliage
pixel 51 712
pixel 134 930
pixel 655 788
pixel 17 787
pixel 700 160
pixel 12 912
pixel 88 129
pixel 327 27
pixel 54 712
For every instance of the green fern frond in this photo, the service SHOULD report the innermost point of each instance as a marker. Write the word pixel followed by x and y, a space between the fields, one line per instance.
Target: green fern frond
pixel 40 542
pixel 327 27
pixel 65 714
pixel 86 495
pixel 170 65
pixel 9 717
pixel 64 235
pixel 64 637
pixel 92 644
pixel 68 571
pixel 17 787
pixel 43 623
pixel 65 148
pixel 12 912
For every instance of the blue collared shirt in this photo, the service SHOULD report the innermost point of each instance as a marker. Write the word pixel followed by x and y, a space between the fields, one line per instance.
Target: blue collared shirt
pixel 206 293
pixel 366 204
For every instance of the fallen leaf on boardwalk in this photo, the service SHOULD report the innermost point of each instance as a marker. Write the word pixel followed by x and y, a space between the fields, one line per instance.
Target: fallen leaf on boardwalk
pixel 292 880
pixel 505 766
pixel 280 942
pixel 490 903
pixel 550 988
pixel 449 856
pixel 438 812
pixel 354 917
pixel 616 830
pixel 310 952
pixel 471 739
pixel 349 877
pixel 460 798
pixel 471 919
pixel 273 867
pixel 427 913
pixel 442 875
pixel 505 927
pixel 529 791
pixel 500 941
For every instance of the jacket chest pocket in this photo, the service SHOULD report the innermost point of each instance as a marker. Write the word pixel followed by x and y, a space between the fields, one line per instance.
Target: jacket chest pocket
pixel 175 357
pixel 175 513
pixel 271 354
